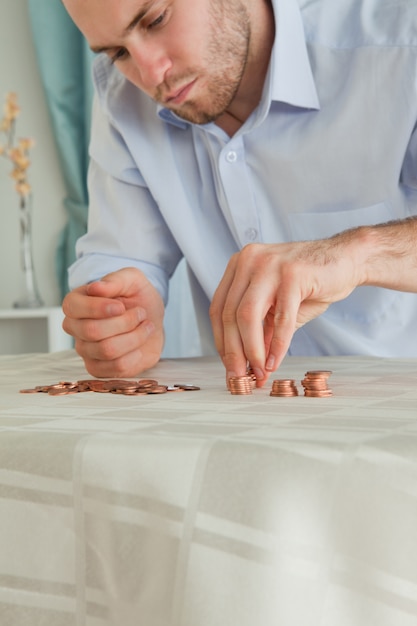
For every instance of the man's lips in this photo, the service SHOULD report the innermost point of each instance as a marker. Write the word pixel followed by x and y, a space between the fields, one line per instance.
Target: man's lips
pixel 180 95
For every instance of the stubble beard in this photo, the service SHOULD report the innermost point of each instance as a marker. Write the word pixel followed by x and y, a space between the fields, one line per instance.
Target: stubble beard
pixel 224 67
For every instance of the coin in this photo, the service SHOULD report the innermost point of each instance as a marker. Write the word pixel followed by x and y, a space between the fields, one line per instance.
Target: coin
pixel 240 385
pixel 98 386
pixel 315 384
pixel 187 387
pixel 147 382
pixel 284 387
pixel 320 373
pixel 157 389
pixel 113 385
pixel 318 394
pixel 58 392
pixel 249 372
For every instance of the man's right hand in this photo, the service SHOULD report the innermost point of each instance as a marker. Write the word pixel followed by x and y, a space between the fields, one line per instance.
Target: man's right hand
pixel 117 323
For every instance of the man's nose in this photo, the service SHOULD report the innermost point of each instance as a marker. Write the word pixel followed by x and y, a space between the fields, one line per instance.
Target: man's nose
pixel 151 63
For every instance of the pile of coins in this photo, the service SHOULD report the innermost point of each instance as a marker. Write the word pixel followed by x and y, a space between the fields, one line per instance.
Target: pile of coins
pixel 242 385
pixel 284 388
pixel 143 387
pixel 315 384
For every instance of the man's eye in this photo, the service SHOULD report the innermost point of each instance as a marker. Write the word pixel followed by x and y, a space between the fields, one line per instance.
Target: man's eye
pixel 119 55
pixel 159 20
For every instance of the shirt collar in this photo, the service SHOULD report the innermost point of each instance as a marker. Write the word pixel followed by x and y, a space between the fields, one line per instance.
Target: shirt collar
pixel 168 116
pixel 291 77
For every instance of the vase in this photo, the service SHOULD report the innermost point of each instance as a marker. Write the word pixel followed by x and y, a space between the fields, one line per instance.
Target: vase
pixel 30 298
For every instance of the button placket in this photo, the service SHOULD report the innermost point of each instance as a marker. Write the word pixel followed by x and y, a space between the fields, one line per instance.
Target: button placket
pixel 238 192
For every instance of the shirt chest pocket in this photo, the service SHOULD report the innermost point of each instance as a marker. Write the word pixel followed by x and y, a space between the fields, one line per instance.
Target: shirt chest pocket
pixel 319 225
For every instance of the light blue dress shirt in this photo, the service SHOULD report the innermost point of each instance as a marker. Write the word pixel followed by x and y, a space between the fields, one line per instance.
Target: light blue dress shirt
pixel 332 145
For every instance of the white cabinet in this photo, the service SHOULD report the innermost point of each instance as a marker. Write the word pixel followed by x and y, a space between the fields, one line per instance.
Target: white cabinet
pixel 33 330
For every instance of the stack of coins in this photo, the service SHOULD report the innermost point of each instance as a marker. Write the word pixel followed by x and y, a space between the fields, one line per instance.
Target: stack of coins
pixel 315 384
pixel 241 385
pixel 249 372
pixel 284 388
pixel 143 387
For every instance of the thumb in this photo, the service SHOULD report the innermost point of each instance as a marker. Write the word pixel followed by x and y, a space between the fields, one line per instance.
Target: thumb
pixel 123 283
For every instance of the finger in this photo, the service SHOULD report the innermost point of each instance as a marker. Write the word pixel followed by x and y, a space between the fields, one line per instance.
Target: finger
pixel 78 305
pixel 268 329
pixel 284 323
pixel 115 347
pixel 251 314
pixel 97 329
pixel 127 366
pixel 217 305
pixel 234 317
pixel 123 283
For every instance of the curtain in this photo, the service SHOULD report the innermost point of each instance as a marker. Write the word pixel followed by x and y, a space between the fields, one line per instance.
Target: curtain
pixel 65 67
pixel 65 60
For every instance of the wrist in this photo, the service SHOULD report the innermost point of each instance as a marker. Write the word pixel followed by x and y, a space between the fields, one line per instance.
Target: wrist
pixel 370 256
pixel 389 255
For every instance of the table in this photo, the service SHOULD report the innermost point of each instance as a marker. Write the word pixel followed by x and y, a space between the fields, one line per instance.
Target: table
pixel 207 509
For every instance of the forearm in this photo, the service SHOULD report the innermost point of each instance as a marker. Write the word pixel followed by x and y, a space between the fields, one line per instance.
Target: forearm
pixel 387 254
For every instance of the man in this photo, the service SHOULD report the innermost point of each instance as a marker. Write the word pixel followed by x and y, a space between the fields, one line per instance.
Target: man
pixel 245 135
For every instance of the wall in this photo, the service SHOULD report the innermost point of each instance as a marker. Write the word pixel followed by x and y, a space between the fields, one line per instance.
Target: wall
pixel 19 73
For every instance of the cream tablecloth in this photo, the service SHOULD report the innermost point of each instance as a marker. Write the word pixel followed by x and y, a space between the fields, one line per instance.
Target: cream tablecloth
pixel 207 509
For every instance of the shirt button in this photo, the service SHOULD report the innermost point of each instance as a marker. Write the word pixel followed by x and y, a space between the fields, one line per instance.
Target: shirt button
pixel 231 156
pixel 251 234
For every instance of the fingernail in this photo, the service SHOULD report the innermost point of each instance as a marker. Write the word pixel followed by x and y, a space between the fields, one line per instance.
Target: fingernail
pixel 258 373
pixel 149 327
pixel 141 313
pixel 270 363
pixel 115 309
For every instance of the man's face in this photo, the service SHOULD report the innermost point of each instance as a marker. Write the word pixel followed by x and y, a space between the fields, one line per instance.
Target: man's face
pixel 188 55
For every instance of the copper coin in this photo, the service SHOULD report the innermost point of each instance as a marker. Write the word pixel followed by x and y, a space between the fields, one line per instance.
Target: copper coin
pixel 187 387
pixel 147 382
pixel 119 384
pixel 315 384
pixel 157 389
pixel 82 388
pixel 323 373
pixel 318 394
pixel 97 385
pixel 284 387
pixel 240 385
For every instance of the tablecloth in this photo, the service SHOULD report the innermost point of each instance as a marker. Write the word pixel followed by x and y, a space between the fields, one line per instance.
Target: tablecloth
pixel 205 508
